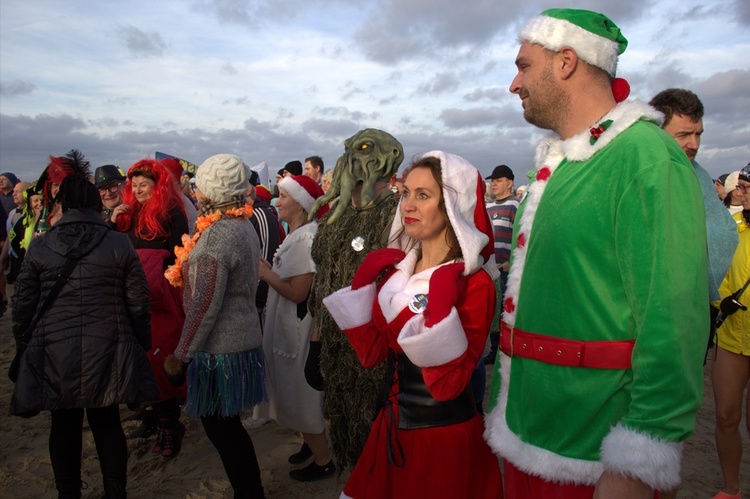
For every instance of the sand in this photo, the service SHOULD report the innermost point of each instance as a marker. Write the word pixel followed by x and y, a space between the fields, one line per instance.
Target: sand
pixel 25 469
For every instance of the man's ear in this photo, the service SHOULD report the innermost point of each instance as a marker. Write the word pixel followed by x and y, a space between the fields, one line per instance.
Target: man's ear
pixel 568 62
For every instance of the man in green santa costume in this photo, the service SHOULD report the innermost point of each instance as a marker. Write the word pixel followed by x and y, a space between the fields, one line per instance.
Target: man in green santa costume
pixel 605 322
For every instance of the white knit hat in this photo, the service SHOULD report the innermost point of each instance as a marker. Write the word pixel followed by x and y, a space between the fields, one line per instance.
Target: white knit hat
pixel 222 178
pixel 463 192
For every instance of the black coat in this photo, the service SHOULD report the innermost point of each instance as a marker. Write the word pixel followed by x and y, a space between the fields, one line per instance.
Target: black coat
pixel 89 348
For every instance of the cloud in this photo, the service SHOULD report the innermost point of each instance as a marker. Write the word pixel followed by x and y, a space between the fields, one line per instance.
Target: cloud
pixel 743 11
pixel 440 83
pixel 726 96
pixel 141 43
pixel 493 94
pixel 16 87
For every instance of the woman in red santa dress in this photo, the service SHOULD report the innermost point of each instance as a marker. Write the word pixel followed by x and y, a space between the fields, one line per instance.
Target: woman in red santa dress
pixel 428 318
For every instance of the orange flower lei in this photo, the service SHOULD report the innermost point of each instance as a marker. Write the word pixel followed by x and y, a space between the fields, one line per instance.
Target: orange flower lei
pixel 174 271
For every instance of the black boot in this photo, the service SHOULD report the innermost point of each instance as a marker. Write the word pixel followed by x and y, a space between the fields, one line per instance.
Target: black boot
pixel 114 488
pixel 300 457
pixel 147 428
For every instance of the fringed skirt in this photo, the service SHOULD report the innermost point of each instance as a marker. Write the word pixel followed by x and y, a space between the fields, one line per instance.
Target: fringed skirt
pixel 225 384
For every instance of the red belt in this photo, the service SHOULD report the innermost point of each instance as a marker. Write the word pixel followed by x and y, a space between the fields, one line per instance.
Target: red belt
pixel 564 352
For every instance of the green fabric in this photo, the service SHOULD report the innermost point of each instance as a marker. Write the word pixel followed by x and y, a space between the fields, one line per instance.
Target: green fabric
pixel 617 252
pixel 350 389
pixel 596 23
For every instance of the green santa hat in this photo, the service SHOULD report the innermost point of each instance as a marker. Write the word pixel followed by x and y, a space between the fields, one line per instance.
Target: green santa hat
pixel 594 37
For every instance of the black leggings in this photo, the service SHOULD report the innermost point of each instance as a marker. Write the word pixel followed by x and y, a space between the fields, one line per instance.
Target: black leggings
pixel 65 449
pixel 237 454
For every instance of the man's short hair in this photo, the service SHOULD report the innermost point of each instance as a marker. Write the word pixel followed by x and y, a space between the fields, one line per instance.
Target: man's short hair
pixel 678 101
pixel 316 162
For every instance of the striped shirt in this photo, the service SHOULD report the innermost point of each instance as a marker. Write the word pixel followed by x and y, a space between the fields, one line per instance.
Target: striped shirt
pixel 502 215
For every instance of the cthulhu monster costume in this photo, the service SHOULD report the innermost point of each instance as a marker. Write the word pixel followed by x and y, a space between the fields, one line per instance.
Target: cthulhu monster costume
pixel 346 234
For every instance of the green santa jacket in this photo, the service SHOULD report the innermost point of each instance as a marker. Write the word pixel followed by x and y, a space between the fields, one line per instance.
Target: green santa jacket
pixel 611 245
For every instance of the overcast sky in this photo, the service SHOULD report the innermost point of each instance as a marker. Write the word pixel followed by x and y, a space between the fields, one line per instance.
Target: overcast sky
pixel 279 80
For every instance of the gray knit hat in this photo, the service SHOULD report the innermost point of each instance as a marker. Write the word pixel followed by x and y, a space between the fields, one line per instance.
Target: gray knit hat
pixel 222 178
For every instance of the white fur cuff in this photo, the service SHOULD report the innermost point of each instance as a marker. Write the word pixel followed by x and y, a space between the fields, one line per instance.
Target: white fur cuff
pixel 351 308
pixel 636 454
pixel 435 346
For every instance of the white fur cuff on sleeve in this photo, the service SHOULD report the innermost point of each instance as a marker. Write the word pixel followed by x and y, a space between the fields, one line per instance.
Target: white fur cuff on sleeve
pixel 652 460
pixel 351 308
pixel 435 346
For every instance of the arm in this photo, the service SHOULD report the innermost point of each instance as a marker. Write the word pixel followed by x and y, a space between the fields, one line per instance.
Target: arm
pixel 27 292
pixel 295 289
pixel 661 253
pixel 137 297
pixel 352 311
pixel 449 351
pixel 203 300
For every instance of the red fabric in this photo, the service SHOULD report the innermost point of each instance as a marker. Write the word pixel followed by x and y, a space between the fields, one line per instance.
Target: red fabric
pixel 521 485
pixel 447 278
pixel 373 264
pixel 167 319
pixel 447 461
pixel 565 352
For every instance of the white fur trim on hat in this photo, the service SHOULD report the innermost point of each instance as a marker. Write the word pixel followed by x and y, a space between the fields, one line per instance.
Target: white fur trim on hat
pixel 297 192
pixel 460 194
pixel 554 34
pixel 427 347
pixel 654 461
pixel 351 308
pixel 222 178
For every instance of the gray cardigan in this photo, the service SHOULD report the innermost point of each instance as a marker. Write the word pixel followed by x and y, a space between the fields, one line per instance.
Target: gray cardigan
pixel 219 298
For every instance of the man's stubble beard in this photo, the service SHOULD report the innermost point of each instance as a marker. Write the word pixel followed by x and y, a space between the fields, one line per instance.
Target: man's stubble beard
pixel 547 105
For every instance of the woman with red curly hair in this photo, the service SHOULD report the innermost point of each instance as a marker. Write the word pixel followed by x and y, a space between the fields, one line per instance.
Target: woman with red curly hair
pixel 153 216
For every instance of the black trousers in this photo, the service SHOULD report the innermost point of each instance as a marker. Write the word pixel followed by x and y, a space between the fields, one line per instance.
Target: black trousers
pixel 65 448
pixel 237 454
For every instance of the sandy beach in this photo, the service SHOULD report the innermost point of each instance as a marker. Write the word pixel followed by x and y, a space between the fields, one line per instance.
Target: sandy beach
pixel 25 469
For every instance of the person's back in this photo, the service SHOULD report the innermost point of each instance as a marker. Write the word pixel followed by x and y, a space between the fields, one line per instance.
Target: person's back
pixel 86 350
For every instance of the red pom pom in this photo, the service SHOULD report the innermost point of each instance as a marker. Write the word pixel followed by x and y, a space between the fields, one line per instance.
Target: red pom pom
pixel 620 89
pixel 509 306
pixel 543 174
pixel 521 240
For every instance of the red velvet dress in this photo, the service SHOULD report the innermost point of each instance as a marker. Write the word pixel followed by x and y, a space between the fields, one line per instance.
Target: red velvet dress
pixel 444 461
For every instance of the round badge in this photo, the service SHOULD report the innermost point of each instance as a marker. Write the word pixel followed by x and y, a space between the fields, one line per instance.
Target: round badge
pixel 277 261
pixel 418 303
pixel 358 243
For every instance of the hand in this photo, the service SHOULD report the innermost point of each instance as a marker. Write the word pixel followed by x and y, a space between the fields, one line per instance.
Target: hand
pixel 730 305
pixel 374 263
pixel 313 376
pixel 503 267
pixel 612 485
pixel 264 270
pixel 118 209
pixel 446 284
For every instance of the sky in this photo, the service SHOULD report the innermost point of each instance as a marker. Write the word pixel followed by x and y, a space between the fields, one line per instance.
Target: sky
pixel 279 80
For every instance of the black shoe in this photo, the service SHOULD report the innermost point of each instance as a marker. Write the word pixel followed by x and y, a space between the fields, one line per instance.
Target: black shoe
pixel 313 472
pixel 300 457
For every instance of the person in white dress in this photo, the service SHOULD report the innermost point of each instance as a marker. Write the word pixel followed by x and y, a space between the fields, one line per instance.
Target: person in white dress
pixel 288 328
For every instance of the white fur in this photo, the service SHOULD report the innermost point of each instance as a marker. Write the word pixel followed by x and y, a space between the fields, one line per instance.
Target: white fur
pixel 351 308
pixel 460 178
pixel 654 461
pixel 434 346
pixel 550 153
pixel 527 457
pixel 554 34
pixel 297 192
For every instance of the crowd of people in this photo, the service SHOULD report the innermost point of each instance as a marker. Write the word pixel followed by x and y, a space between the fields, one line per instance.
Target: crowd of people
pixel 356 306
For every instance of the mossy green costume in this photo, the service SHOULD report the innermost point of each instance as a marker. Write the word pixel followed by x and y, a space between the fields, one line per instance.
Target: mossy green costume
pixel 345 236
pixel 611 246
